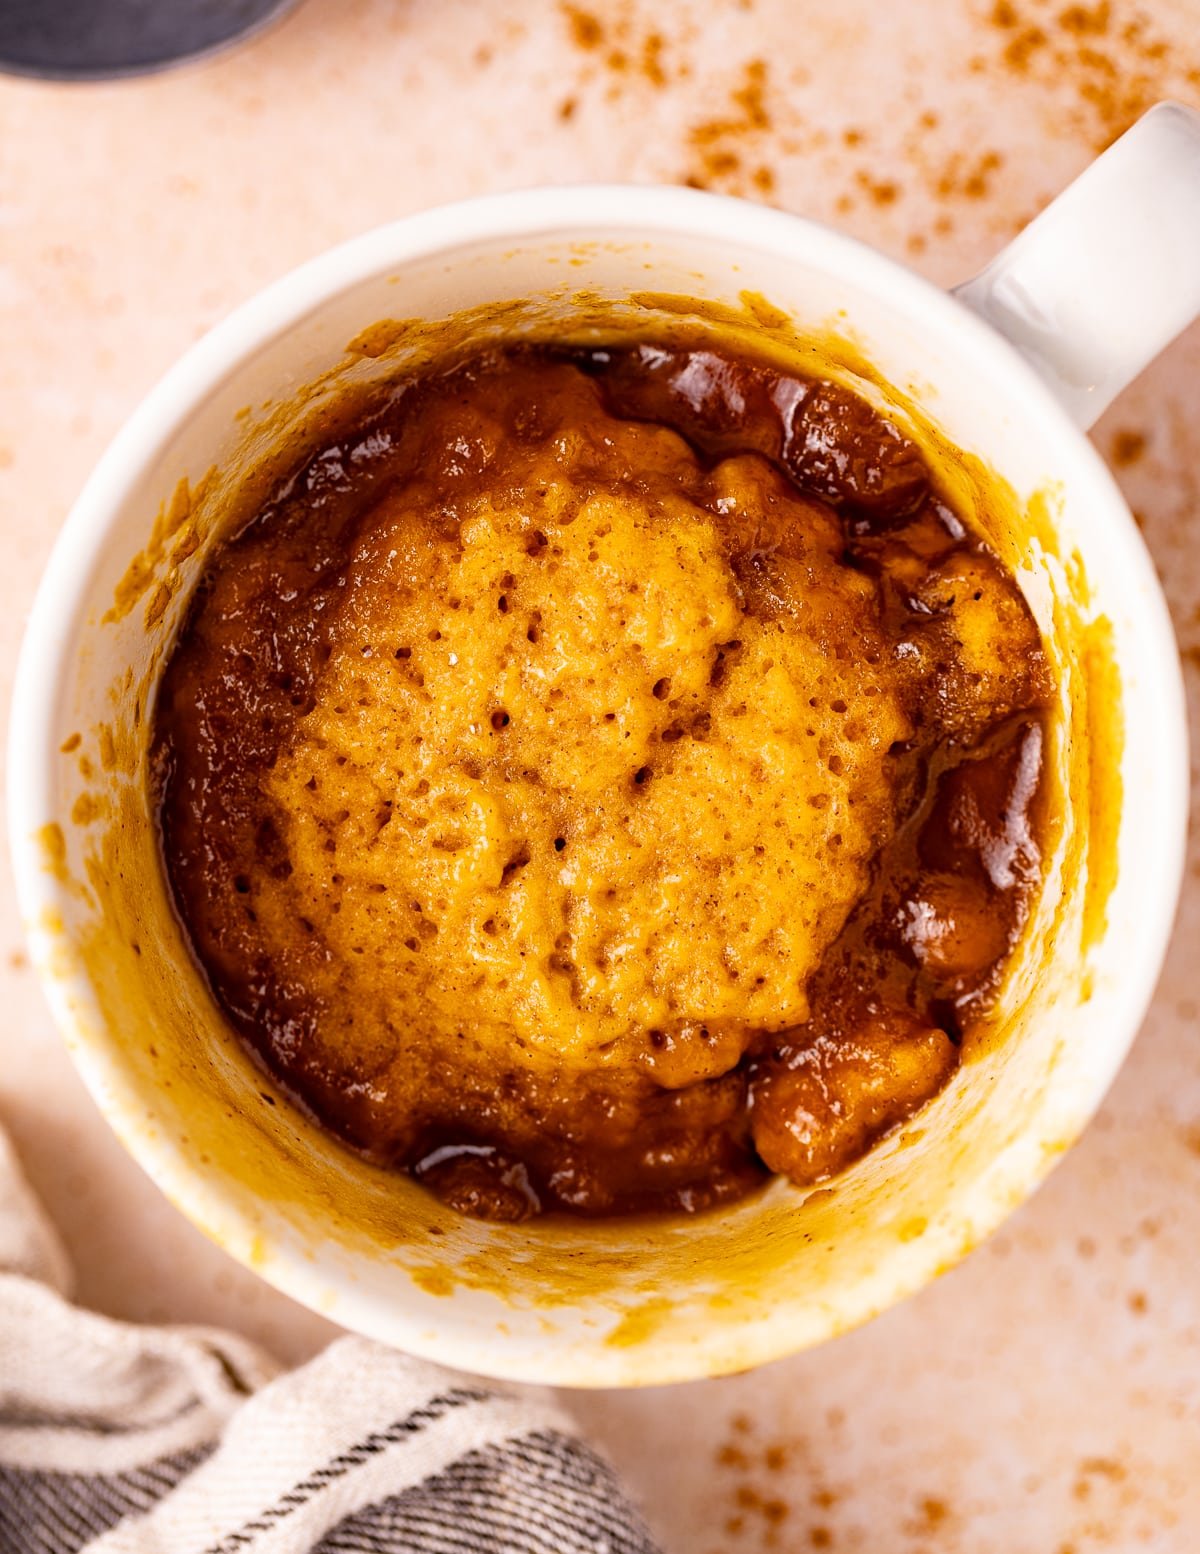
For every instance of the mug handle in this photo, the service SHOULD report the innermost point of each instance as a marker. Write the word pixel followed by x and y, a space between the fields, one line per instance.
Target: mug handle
pixel 1109 273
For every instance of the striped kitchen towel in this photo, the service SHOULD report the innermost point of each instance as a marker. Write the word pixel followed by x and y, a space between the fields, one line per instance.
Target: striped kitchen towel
pixel 117 1439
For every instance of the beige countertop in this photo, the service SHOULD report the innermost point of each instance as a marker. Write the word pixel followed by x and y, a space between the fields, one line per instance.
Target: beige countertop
pixel 1043 1397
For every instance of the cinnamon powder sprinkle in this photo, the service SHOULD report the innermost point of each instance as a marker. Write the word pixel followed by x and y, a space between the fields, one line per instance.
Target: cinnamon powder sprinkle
pixel 587 31
pixel 971 180
pixel 881 192
pixel 652 55
pixel 1128 446
pixel 613 39
pixel 759 1512
pixel 728 149
pixel 1111 59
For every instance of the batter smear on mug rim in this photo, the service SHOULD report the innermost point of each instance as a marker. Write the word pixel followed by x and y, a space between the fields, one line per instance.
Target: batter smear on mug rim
pixel 607 778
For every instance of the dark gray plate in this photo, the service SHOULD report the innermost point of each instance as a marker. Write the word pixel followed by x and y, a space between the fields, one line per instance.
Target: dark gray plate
pixel 94 40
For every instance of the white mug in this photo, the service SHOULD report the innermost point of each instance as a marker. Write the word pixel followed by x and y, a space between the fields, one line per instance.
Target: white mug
pixel 1010 371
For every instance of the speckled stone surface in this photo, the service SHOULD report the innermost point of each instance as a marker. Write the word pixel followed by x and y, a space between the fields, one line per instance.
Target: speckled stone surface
pixel 1044 1396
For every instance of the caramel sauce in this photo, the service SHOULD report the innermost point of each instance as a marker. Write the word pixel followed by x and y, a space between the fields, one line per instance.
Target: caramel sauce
pixel 611 776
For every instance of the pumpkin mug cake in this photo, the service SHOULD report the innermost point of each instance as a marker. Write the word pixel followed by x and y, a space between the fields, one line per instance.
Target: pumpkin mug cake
pixel 608 777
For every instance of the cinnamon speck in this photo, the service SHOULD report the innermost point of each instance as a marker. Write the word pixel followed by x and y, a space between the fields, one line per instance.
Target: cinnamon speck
pixel 652 59
pixel 930 1514
pixel 1103 1467
pixel 1127 447
pixel 882 192
pixel 566 109
pixel 721 161
pixel 587 31
pixel 1021 49
pixel 750 96
pixel 968 178
pixel 1138 1303
pixel 1085 19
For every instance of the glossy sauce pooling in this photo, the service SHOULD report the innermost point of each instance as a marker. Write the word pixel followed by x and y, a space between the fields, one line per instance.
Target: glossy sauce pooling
pixel 608 777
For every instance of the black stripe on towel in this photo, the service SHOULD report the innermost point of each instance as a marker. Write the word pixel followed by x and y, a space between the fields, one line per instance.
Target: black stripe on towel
pixel 45 1512
pixel 542 1493
pixel 345 1462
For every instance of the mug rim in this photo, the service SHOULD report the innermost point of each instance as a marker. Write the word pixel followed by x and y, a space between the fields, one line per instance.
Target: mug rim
pixel 604 212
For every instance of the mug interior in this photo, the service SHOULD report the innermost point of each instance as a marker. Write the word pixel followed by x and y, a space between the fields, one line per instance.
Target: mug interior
pixel 621 1302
